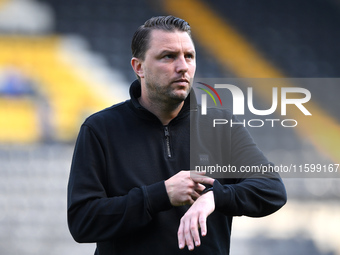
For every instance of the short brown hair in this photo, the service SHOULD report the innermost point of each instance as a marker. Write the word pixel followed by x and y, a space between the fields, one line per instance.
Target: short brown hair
pixel 140 40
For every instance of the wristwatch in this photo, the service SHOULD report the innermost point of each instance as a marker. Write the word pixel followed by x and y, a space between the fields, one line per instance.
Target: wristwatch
pixel 206 190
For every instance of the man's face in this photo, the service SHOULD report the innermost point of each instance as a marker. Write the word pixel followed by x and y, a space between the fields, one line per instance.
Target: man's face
pixel 169 66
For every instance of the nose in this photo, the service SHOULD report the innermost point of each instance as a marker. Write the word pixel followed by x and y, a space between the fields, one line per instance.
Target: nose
pixel 181 65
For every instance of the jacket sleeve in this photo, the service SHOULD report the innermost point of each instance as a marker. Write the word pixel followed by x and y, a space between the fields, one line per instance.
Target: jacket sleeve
pixel 252 193
pixel 92 215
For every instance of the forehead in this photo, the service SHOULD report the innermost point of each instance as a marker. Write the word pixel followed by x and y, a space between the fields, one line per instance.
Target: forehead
pixel 170 40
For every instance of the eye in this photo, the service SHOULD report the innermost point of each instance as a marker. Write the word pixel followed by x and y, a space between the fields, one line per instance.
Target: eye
pixel 189 55
pixel 169 56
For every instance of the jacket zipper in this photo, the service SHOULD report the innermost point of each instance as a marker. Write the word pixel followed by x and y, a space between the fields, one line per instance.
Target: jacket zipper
pixel 167 141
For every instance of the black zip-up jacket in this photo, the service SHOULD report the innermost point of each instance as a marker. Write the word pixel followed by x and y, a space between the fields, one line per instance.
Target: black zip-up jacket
pixel 116 191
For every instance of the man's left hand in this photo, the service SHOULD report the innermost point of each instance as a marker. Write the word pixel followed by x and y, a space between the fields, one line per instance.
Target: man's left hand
pixel 193 219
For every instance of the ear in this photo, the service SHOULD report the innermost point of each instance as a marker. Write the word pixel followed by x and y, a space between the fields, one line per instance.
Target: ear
pixel 137 66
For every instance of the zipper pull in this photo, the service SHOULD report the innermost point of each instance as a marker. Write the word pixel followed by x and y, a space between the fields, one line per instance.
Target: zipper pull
pixel 167 140
pixel 166 131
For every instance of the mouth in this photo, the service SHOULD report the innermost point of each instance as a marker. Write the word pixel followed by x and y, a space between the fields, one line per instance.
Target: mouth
pixel 182 81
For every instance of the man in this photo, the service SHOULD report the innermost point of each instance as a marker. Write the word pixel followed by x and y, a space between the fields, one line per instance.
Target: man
pixel 129 189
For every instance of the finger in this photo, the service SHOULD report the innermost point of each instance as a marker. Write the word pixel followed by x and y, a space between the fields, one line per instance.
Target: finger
pixel 190 200
pixel 195 195
pixel 180 236
pixel 199 187
pixel 203 224
pixel 202 179
pixel 197 173
pixel 194 231
pixel 188 234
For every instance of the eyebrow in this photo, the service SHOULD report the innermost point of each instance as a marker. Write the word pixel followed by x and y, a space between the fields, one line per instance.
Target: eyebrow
pixel 164 52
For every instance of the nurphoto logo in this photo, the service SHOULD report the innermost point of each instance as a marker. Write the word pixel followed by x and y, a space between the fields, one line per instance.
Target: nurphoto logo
pixel 238 99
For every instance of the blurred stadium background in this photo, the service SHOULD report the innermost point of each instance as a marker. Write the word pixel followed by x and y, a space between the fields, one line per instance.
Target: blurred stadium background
pixel 61 60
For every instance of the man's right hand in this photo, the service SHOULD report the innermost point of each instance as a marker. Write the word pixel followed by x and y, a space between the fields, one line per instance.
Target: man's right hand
pixel 185 187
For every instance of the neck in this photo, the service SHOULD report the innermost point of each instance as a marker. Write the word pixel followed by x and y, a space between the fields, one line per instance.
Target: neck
pixel 164 112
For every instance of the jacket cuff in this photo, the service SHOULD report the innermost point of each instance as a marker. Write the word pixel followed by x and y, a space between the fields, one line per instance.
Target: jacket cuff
pixel 222 195
pixel 157 197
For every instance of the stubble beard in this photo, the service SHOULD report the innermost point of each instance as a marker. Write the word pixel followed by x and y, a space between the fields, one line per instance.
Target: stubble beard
pixel 166 95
